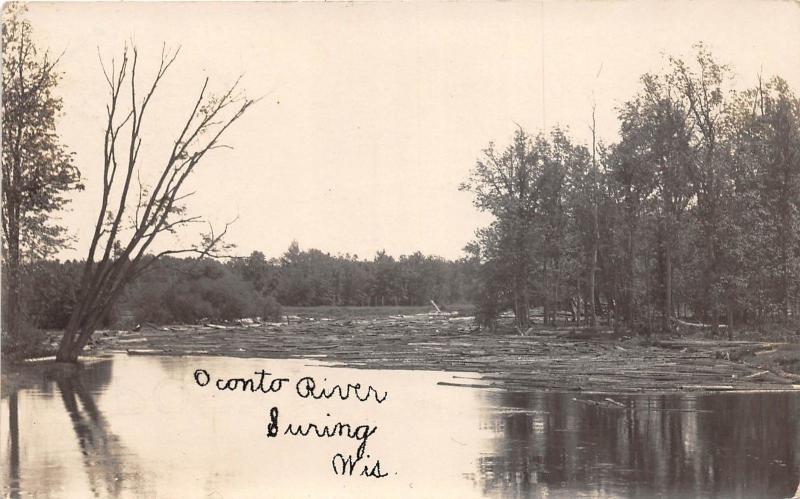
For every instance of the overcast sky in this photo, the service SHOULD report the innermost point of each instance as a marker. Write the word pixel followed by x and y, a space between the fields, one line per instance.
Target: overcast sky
pixel 375 112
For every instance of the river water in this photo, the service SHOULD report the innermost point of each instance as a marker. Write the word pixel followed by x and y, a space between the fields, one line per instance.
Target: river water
pixel 144 427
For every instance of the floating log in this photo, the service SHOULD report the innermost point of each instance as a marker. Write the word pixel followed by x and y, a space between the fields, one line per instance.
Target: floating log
pixel 708 388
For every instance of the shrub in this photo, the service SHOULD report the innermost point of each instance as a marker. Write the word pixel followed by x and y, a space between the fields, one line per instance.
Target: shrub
pixel 48 293
pixel 29 342
pixel 211 292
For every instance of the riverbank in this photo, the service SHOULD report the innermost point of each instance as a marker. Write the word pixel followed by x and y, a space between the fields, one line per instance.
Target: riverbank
pixel 556 359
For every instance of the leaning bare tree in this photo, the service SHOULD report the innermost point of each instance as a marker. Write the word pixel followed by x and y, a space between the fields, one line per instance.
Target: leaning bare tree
pixel 132 216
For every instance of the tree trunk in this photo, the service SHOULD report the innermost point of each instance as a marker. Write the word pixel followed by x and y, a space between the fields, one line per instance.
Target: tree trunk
pixel 546 306
pixel 667 286
pixel 612 318
pixel 785 278
pixel 595 227
pixel 715 317
pixel 730 319
pixel 12 319
pixel 556 304
pixel 573 305
pixel 591 300
pixel 521 304
pixel 786 223
pixel 667 245
pixel 66 348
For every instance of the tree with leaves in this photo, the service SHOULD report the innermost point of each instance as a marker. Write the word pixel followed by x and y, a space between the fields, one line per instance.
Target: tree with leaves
pixel 701 86
pixel 655 133
pixel 38 169
pixel 504 184
pixel 764 131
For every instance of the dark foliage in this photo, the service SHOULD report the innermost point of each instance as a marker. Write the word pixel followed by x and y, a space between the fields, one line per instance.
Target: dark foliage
pixel 188 290
pixel 694 213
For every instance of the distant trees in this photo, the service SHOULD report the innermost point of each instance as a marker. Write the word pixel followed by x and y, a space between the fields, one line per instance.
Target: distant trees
pixel 313 278
pixel 694 212
pixel 186 290
pixel 131 216
pixel 37 168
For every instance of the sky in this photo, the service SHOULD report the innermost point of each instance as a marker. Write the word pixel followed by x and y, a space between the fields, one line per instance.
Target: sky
pixel 374 113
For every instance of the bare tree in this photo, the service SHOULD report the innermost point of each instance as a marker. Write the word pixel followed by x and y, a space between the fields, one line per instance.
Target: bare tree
pixel 595 227
pixel 119 247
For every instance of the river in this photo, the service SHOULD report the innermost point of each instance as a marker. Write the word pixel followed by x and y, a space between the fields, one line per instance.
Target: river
pixel 143 426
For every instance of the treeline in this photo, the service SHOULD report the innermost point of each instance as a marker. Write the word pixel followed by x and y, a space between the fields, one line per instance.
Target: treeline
pixel 186 290
pixel 310 278
pixel 694 212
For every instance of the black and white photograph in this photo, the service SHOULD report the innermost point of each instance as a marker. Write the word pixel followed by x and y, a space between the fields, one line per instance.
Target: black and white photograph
pixel 400 249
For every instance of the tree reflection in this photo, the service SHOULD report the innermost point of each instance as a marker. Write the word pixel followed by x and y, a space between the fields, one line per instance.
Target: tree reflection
pixel 106 461
pixel 13 433
pixel 669 445
pixel 103 457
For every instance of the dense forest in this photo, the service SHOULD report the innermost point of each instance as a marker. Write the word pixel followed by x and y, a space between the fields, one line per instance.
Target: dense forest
pixel 694 212
pixel 186 290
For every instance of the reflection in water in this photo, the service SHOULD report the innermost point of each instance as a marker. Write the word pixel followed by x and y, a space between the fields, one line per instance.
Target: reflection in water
pixel 66 434
pixel 102 453
pixel 99 447
pixel 13 433
pixel 728 445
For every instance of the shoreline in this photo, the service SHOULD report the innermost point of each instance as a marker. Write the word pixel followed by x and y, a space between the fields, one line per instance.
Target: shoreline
pixel 548 359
